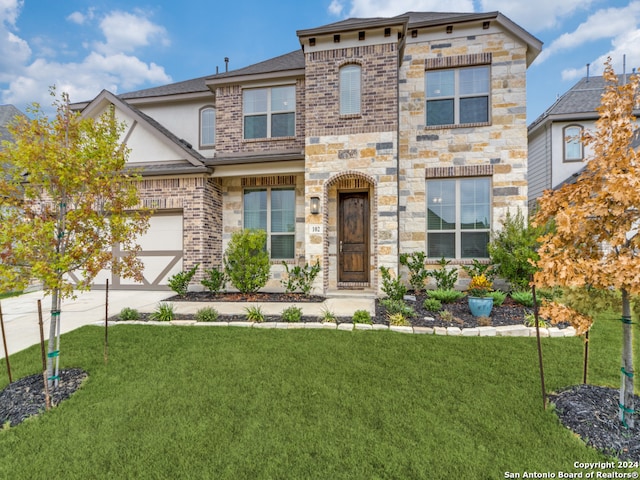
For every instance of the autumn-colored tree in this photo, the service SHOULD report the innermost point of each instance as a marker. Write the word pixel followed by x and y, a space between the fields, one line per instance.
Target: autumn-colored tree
pixel 596 242
pixel 65 200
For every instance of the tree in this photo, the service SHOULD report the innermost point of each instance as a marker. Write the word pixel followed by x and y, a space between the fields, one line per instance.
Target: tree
pixel 65 200
pixel 596 241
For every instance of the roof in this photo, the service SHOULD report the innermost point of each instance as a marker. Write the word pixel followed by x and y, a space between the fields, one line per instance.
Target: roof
pixel 579 102
pixel 195 85
pixel 291 63
pixel 7 114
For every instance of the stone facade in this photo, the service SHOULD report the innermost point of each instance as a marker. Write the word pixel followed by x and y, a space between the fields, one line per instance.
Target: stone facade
pixel 497 149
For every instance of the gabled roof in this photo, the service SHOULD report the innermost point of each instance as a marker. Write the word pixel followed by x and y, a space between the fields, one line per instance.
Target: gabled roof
pixel 194 161
pixel 195 85
pixel 7 115
pixel 578 103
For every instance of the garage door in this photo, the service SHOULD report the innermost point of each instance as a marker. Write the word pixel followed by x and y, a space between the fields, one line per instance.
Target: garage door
pixel 161 255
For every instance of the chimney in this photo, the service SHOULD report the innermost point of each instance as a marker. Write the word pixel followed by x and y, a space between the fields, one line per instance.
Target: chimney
pixel 226 64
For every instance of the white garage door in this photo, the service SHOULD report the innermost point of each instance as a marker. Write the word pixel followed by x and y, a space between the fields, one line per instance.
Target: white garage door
pixel 161 255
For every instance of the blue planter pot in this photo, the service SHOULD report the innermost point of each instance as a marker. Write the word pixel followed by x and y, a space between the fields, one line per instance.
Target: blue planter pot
pixel 480 306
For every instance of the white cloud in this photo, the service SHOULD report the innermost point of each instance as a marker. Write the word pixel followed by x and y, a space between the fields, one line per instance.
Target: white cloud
pixel 537 15
pixel 112 65
pixel 126 32
pixel 612 23
pixel 336 8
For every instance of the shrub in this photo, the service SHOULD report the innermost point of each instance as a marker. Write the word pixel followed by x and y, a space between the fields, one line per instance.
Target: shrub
pixel 397 306
pixel 523 297
pixel 215 280
pixel 291 314
pixel 478 268
pixel 246 260
pixel 498 297
pixel 129 314
pixel 446 316
pixel 163 312
pixel 398 319
pixel 445 278
pixel 417 272
pixel 479 286
pixel 254 313
pixel 179 282
pixel 327 315
pixel 362 316
pixel 512 248
pixel 393 287
pixel 432 304
pixel 445 296
pixel 300 278
pixel 206 314
pixel 530 321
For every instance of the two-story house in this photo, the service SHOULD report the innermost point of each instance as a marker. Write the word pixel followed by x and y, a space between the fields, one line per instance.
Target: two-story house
pixel 377 137
pixel 556 153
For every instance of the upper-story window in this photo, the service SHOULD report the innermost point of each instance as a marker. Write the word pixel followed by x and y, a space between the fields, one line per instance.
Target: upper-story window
pixel 350 81
pixel 573 143
pixel 207 127
pixel 269 112
pixel 458 96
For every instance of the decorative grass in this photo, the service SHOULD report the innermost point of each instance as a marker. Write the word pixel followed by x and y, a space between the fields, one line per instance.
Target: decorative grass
pixel 231 403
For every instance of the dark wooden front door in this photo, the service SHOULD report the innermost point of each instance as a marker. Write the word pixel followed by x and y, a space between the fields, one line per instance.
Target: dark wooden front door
pixel 353 248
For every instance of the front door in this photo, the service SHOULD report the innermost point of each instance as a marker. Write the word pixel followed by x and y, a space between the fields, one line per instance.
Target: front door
pixel 353 237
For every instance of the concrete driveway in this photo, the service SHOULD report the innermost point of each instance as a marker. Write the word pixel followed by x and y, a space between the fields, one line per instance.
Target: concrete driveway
pixel 21 313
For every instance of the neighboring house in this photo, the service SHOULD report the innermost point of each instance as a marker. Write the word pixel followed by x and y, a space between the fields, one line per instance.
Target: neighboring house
pixel 378 137
pixel 7 115
pixel 556 154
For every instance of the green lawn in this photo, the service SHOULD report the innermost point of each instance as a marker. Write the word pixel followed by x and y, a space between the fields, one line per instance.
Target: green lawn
pixel 236 403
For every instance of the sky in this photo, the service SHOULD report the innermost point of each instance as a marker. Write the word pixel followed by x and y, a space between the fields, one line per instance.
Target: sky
pixel 85 46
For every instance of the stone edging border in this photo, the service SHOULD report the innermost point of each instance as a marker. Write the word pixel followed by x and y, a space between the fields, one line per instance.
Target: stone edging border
pixel 502 331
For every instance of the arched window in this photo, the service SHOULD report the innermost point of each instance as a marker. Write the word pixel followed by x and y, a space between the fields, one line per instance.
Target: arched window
pixel 207 127
pixel 572 143
pixel 350 92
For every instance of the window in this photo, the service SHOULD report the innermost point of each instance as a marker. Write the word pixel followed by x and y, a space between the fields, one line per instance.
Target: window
pixel 457 96
pixel 207 127
pixel 350 89
pixel 269 112
pixel 273 210
pixel 572 143
pixel 458 218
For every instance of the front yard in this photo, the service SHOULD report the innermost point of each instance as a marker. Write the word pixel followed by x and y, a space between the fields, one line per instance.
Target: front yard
pixel 205 402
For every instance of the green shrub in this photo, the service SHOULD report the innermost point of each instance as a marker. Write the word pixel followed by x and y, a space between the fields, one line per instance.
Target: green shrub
pixel 327 315
pixel 445 296
pixel 398 319
pixel 397 306
pixel 523 297
pixel 254 314
pixel 179 282
pixel 432 304
pixel 300 278
pixel 207 314
pixel 246 260
pixel 530 321
pixel 512 248
pixel 215 280
pixel 292 314
pixel 478 268
pixel 445 278
pixel 362 316
pixel 163 312
pixel 498 297
pixel 393 287
pixel 129 314
pixel 418 274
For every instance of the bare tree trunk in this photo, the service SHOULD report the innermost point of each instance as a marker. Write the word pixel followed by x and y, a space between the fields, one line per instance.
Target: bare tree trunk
pixel 54 331
pixel 626 388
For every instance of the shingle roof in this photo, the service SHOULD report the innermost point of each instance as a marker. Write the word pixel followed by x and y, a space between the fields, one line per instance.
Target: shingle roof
pixel 581 99
pixel 194 85
pixel 289 61
pixel 7 114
